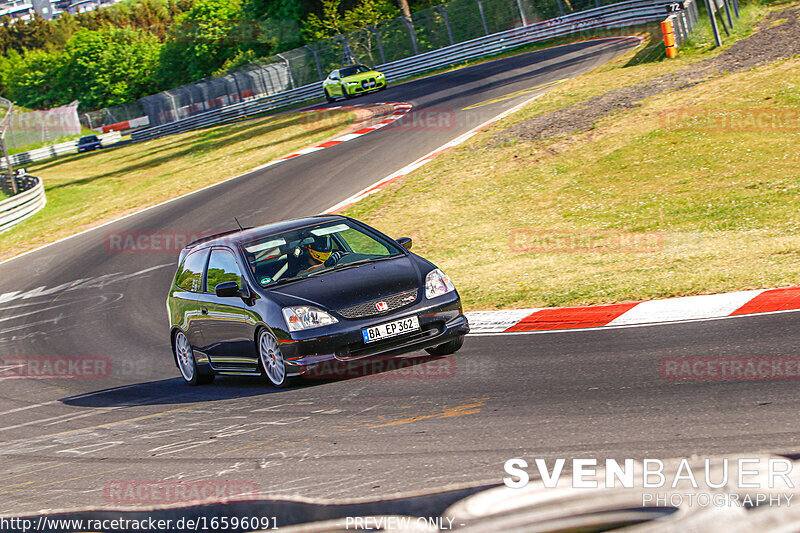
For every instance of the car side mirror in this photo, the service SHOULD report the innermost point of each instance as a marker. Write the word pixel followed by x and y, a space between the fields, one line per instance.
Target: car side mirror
pixel 227 289
pixel 405 242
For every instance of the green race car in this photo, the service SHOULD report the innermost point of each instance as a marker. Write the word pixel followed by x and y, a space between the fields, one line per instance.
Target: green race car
pixel 352 81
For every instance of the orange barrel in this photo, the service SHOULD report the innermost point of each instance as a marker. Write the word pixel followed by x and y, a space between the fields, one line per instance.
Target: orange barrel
pixel 669 38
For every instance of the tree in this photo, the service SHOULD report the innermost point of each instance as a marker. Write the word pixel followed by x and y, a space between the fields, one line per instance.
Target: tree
pixel 109 66
pixel 404 9
pixel 200 42
pixel 31 79
pixel 335 21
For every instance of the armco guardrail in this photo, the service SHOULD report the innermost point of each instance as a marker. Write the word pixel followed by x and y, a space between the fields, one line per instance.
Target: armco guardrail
pixel 618 15
pixel 55 150
pixel 23 205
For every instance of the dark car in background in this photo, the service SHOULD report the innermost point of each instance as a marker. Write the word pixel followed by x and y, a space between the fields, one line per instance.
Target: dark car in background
pixel 89 143
pixel 279 300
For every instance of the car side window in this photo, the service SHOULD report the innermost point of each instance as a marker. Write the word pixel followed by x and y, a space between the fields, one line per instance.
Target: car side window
pixel 335 75
pixel 190 274
pixel 222 267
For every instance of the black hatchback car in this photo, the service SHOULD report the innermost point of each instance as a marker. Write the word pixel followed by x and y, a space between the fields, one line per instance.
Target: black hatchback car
pixel 89 143
pixel 281 299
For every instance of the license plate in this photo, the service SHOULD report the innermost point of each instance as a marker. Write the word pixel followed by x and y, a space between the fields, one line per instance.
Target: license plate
pixel 390 329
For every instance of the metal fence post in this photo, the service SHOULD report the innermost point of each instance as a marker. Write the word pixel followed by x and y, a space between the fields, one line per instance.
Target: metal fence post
pixel 717 5
pixel 379 41
pixel 728 14
pixel 483 17
pixel 443 12
pixel 172 104
pixel 6 122
pixel 714 26
pixel 316 61
pixel 560 7
pixel 522 13
pixel 289 69
pixel 411 33
pixel 263 78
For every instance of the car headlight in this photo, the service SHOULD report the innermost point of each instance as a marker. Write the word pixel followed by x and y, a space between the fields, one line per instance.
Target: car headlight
pixel 353 83
pixel 306 317
pixel 437 283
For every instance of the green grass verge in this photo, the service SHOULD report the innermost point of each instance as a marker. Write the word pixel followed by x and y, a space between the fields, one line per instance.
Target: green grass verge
pixel 84 190
pixel 654 202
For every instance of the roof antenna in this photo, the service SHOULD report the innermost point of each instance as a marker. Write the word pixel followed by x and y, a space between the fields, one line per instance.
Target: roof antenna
pixel 238 223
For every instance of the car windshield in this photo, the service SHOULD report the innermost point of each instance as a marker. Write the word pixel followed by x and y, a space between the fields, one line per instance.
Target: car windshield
pixel 350 71
pixel 89 139
pixel 314 250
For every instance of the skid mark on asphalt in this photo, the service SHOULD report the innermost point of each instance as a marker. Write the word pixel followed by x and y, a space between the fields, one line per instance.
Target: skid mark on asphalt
pixel 461 410
pixel 106 425
pixel 97 411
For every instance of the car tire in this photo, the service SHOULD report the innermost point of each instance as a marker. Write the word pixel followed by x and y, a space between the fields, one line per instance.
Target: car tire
pixel 270 359
pixel 187 364
pixel 447 348
pixel 328 97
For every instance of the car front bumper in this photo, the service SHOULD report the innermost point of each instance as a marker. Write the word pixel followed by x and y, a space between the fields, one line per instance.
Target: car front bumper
pixel 439 321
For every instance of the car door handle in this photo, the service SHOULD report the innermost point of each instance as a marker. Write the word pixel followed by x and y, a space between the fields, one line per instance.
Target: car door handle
pixel 203 311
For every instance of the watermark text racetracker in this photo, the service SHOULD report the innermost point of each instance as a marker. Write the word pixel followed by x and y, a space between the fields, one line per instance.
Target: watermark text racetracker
pixel 719 482
pixel 426 118
pixel 69 367
pixel 586 241
pixel 767 119
pixel 55 366
pixel 729 368
pixel 144 492
pixel 152 242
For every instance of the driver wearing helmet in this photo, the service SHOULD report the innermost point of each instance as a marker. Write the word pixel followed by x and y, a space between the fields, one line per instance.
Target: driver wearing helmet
pixel 315 256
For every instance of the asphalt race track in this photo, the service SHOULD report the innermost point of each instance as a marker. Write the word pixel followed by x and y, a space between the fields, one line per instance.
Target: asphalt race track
pixel 431 423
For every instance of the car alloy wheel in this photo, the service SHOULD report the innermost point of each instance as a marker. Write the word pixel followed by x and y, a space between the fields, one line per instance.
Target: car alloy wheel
pixel 271 358
pixel 185 358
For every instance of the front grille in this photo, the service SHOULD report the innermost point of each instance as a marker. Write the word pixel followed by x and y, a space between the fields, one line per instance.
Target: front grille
pixel 367 309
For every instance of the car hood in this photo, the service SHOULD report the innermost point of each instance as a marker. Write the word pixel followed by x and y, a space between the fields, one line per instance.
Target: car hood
pixel 361 76
pixel 344 288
